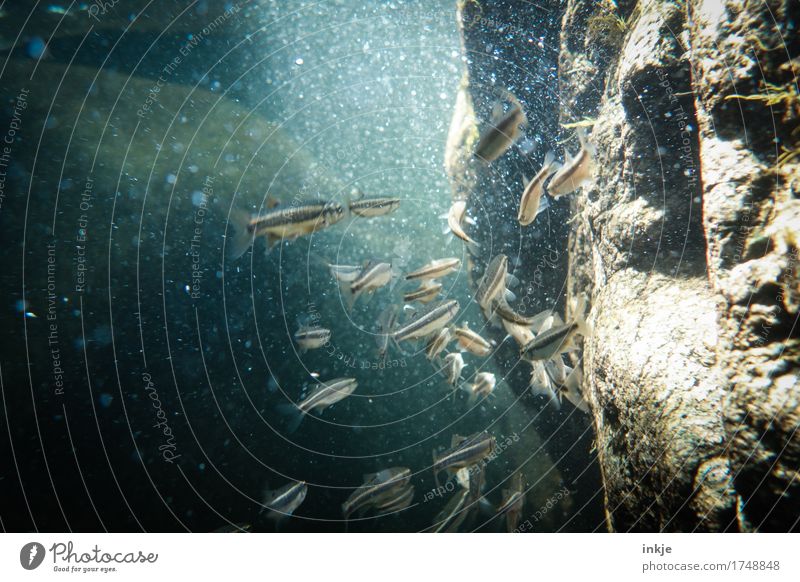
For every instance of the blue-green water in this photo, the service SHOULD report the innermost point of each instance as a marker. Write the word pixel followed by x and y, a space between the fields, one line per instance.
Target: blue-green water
pixel 146 389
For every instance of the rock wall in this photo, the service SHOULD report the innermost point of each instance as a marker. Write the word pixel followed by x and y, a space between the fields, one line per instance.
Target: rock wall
pixel 685 244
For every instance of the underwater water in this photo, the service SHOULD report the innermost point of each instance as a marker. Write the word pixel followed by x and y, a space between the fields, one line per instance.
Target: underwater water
pixel 151 378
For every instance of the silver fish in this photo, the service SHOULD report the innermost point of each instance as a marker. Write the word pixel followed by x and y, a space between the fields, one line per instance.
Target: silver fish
pixel 432 318
pixel 372 277
pixel 532 194
pixel 435 269
pixel 369 207
pixel 386 323
pixel 426 293
pixel 576 171
pixel 472 342
pixel 311 338
pixel 454 513
pixel 281 503
pixel 492 284
pixel 463 452
pixel 452 368
pixel 482 386
pixel 282 224
pixel 513 502
pixel 345 273
pixel 438 343
pixel 327 394
pixel 556 340
pixel 399 500
pixel 455 218
pixel 376 489
pixel 502 132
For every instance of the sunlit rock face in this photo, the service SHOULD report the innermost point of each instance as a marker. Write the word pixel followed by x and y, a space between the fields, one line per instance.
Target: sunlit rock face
pixel 682 242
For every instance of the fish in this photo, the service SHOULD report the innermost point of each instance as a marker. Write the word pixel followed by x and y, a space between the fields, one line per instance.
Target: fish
pixel 311 338
pixel 513 502
pixel 522 334
pixel 325 394
pixel 426 293
pixel 463 452
pixel 576 171
pixel 506 313
pixel 386 323
pixel 435 269
pixel 397 502
pixel 234 528
pixel 454 513
pixel 370 207
pixel 556 340
pixel 503 130
pixel 372 277
pixel 452 368
pixel 567 382
pixel 438 343
pixel 377 488
pixel 492 284
pixel 472 342
pixel 455 217
pixel 427 321
pixel 281 503
pixel 532 194
pixel 281 224
pixel 482 386
pixel 542 385
pixel 345 273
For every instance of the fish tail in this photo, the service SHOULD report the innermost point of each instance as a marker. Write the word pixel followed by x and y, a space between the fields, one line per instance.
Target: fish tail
pixel 243 236
pixel 293 415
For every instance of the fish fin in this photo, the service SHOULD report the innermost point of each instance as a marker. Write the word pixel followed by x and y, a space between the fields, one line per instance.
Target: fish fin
pixel 497 111
pixel 525 181
pixel 511 280
pixel 508 295
pixel 293 415
pixel 271 201
pixel 446 230
pixel 272 240
pixel 435 472
pixel 369 477
pixel 457 439
pixel 243 237
pixel 471 221
pixel 549 158
pixel 567 157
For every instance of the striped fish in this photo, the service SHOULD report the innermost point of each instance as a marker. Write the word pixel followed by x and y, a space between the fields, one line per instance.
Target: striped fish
pixel 455 218
pixel 438 343
pixel 502 132
pixel 323 396
pixel 483 386
pixel 435 269
pixel 454 513
pixel 513 502
pixel 432 318
pixel 529 204
pixel 452 368
pixel 372 277
pixel 472 342
pixel 554 341
pixel 576 171
pixel 463 452
pixel 377 488
pixel 281 503
pixel 284 223
pixel 311 338
pixel 426 293
pixel 369 207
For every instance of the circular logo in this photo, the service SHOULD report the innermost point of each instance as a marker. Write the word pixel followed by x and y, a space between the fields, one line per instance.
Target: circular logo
pixel 31 555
